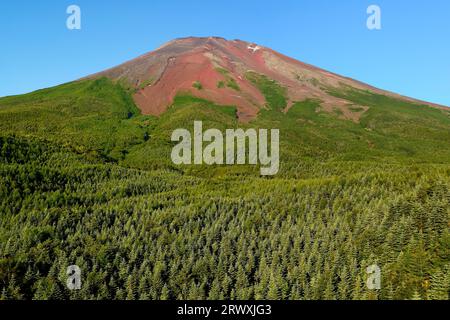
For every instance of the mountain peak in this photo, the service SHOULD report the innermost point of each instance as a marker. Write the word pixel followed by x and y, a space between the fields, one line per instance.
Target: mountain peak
pixel 217 69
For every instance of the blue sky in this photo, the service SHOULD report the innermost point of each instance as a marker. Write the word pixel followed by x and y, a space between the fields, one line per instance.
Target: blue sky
pixel 410 55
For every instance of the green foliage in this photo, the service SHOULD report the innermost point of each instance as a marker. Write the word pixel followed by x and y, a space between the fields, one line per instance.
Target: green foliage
pixel 223 71
pixel 274 93
pixel 197 85
pixel 86 180
pixel 231 83
pixel 146 83
pixel 97 115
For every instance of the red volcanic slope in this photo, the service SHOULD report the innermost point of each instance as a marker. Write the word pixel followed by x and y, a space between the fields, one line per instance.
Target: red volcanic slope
pixel 213 62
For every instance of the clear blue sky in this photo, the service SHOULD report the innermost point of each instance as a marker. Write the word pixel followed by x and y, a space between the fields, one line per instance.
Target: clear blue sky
pixel 410 55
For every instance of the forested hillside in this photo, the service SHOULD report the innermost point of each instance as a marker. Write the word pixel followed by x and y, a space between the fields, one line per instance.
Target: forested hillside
pixel 86 179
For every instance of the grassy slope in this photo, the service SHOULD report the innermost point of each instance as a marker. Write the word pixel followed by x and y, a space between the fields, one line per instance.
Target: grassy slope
pixel 359 178
pixel 100 116
pixel 96 116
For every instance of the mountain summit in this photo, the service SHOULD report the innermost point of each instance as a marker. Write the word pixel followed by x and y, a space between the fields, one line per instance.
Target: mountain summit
pixel 222 71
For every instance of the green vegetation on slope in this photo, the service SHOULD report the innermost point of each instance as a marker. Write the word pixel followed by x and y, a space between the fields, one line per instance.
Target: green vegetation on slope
pixel 274 93
pixel 197 85
pixel 95 116
pixel 159 234
pixel 85 179
pixel 230 82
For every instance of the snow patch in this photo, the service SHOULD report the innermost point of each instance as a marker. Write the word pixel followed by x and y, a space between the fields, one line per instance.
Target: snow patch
pixel 253 48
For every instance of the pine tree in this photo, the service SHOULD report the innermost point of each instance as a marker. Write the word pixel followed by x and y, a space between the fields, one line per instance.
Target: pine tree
pixel 165 293
pixel 274 291
pixel 439 286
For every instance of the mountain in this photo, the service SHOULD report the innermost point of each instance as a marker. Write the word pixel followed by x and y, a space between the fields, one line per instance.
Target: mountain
pixel 222 71
pixel 86 179
pixel 128 113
